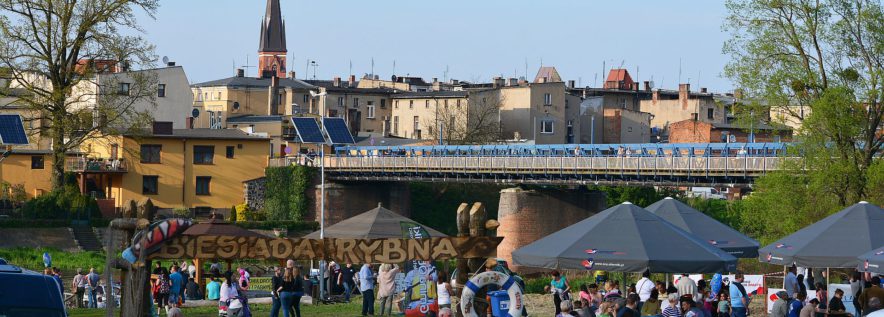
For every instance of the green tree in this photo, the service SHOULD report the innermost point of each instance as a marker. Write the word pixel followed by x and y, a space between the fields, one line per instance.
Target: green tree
pixel 820 63
pixel 49 49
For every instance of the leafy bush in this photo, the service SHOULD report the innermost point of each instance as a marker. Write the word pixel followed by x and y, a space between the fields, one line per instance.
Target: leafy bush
pixel 241 211
pixel 62 203
pixel 285 196
pixel 272 224
pixel 181 212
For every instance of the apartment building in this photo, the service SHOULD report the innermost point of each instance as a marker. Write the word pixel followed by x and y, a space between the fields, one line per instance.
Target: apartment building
pixel 365 109
pixel 188 168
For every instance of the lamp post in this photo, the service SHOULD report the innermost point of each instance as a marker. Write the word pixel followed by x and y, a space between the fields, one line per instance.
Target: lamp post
pixel 321 193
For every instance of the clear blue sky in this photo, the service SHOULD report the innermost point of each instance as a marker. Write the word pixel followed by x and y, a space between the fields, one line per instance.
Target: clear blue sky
pixel 475 39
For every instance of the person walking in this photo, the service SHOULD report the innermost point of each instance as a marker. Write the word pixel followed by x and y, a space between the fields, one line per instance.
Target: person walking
pixel 92 279
pixel 345 280
pixel 275 287
pixel 791 282
pixel 176 285
pixel 796 305
pixel 290 292
pixel 366 287
pixel 229 297
pixel 387 287
pixel 443 290
pixel 739 298
pixel 163 289
pixel 79 286
pixel 643 287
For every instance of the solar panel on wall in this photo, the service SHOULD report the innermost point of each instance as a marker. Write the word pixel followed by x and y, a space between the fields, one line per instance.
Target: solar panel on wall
pixel 308 130
pixel 337 131
pixel 12 131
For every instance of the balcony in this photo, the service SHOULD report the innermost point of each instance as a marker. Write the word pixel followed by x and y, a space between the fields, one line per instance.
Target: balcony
pixel 95 165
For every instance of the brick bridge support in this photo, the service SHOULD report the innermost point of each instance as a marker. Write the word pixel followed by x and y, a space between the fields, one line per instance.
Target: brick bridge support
pixel 528 215
pixel 347 199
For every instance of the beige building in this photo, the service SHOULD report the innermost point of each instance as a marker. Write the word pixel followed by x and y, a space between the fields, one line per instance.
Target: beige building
pixel 365 109
pixel 669 106
pixel 420 115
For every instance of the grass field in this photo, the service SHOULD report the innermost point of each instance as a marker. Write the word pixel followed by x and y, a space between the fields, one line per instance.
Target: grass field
pixel 352 309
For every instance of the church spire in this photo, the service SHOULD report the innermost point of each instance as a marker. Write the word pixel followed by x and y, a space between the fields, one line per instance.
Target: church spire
pixel 271 48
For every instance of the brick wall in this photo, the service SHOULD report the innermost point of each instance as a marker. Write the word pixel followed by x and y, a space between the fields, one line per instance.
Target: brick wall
pixel 253 193
pixel 345 200
pixel 528 215
pixel 690 131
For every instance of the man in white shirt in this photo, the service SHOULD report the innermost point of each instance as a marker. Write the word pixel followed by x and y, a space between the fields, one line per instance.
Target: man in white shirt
pixel 644 287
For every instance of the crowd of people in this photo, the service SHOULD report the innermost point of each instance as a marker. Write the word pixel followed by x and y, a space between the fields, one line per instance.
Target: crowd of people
pixel 86 288
pixel 686 298
pixel 689 298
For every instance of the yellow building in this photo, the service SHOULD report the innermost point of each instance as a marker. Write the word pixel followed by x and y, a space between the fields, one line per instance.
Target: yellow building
pixel 29 168
pixel 191 168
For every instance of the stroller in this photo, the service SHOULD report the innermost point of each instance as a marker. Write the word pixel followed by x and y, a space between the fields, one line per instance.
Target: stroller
pixel 235 307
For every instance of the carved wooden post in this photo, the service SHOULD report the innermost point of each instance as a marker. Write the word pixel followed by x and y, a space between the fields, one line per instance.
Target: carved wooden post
pixel 135 297
pixel 463 230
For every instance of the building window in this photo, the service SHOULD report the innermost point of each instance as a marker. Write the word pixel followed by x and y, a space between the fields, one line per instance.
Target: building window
pixel 219 96
pixel 396 125
pixel 37 162
pixel 124 89
pixel 230 152
pixel 306 99
pixel 446 103
pixel 547 99
pixel 150 153
pixel 340 101
pixel 710 113
pixel 411 104
pixel 203 154
pixel 383 103
pixel 427 104
pixel 202 185
pixel 355 102
pixel 150 184
pixel 547 126
pixel 370 114
pixel 417 124
pixel 161 90
pixel 458 104
pixel 622 102
pixel 396 104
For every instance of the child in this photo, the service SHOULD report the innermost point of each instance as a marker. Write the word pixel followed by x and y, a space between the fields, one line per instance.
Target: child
pixel 724 305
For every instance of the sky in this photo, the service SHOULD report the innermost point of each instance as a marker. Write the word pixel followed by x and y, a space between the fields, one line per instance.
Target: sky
pixel 474 40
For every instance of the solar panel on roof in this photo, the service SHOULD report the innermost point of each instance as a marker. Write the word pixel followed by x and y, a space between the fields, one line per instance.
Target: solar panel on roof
pixel 308 130
pixel 12 131
pixel 337 131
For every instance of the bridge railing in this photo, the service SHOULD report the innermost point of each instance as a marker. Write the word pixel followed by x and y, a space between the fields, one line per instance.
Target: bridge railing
pixel 554 164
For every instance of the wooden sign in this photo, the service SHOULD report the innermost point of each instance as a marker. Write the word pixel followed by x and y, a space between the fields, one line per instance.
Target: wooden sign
pixel 340 250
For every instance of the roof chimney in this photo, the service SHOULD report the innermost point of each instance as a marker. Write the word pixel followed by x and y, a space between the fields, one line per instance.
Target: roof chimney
pixel 694 116
pixel 684 91
pixel 240 72
pixel 162 128
pixel 292 75
pixel 499 82
pixel 273 96
pixel 435 80
pixel 351 82
pixel 647 85
pixel 703 90
pixel 512 82
pixel 337 81
pixel 571 84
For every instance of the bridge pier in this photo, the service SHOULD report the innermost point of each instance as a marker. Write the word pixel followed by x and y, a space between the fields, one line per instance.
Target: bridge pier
pixel 347 199
pixel 528 215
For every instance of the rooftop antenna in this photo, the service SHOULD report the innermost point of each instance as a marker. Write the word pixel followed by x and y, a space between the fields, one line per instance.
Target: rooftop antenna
pixel 307 69
pixel 246 66
pixel 526 68
pixel 595 80
pixel 351 67
pixel 372 67
pixel 445 75
pixel 394 67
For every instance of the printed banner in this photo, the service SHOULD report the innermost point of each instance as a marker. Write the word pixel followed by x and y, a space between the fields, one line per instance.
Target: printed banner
pixel 420 289
pixel 339 250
